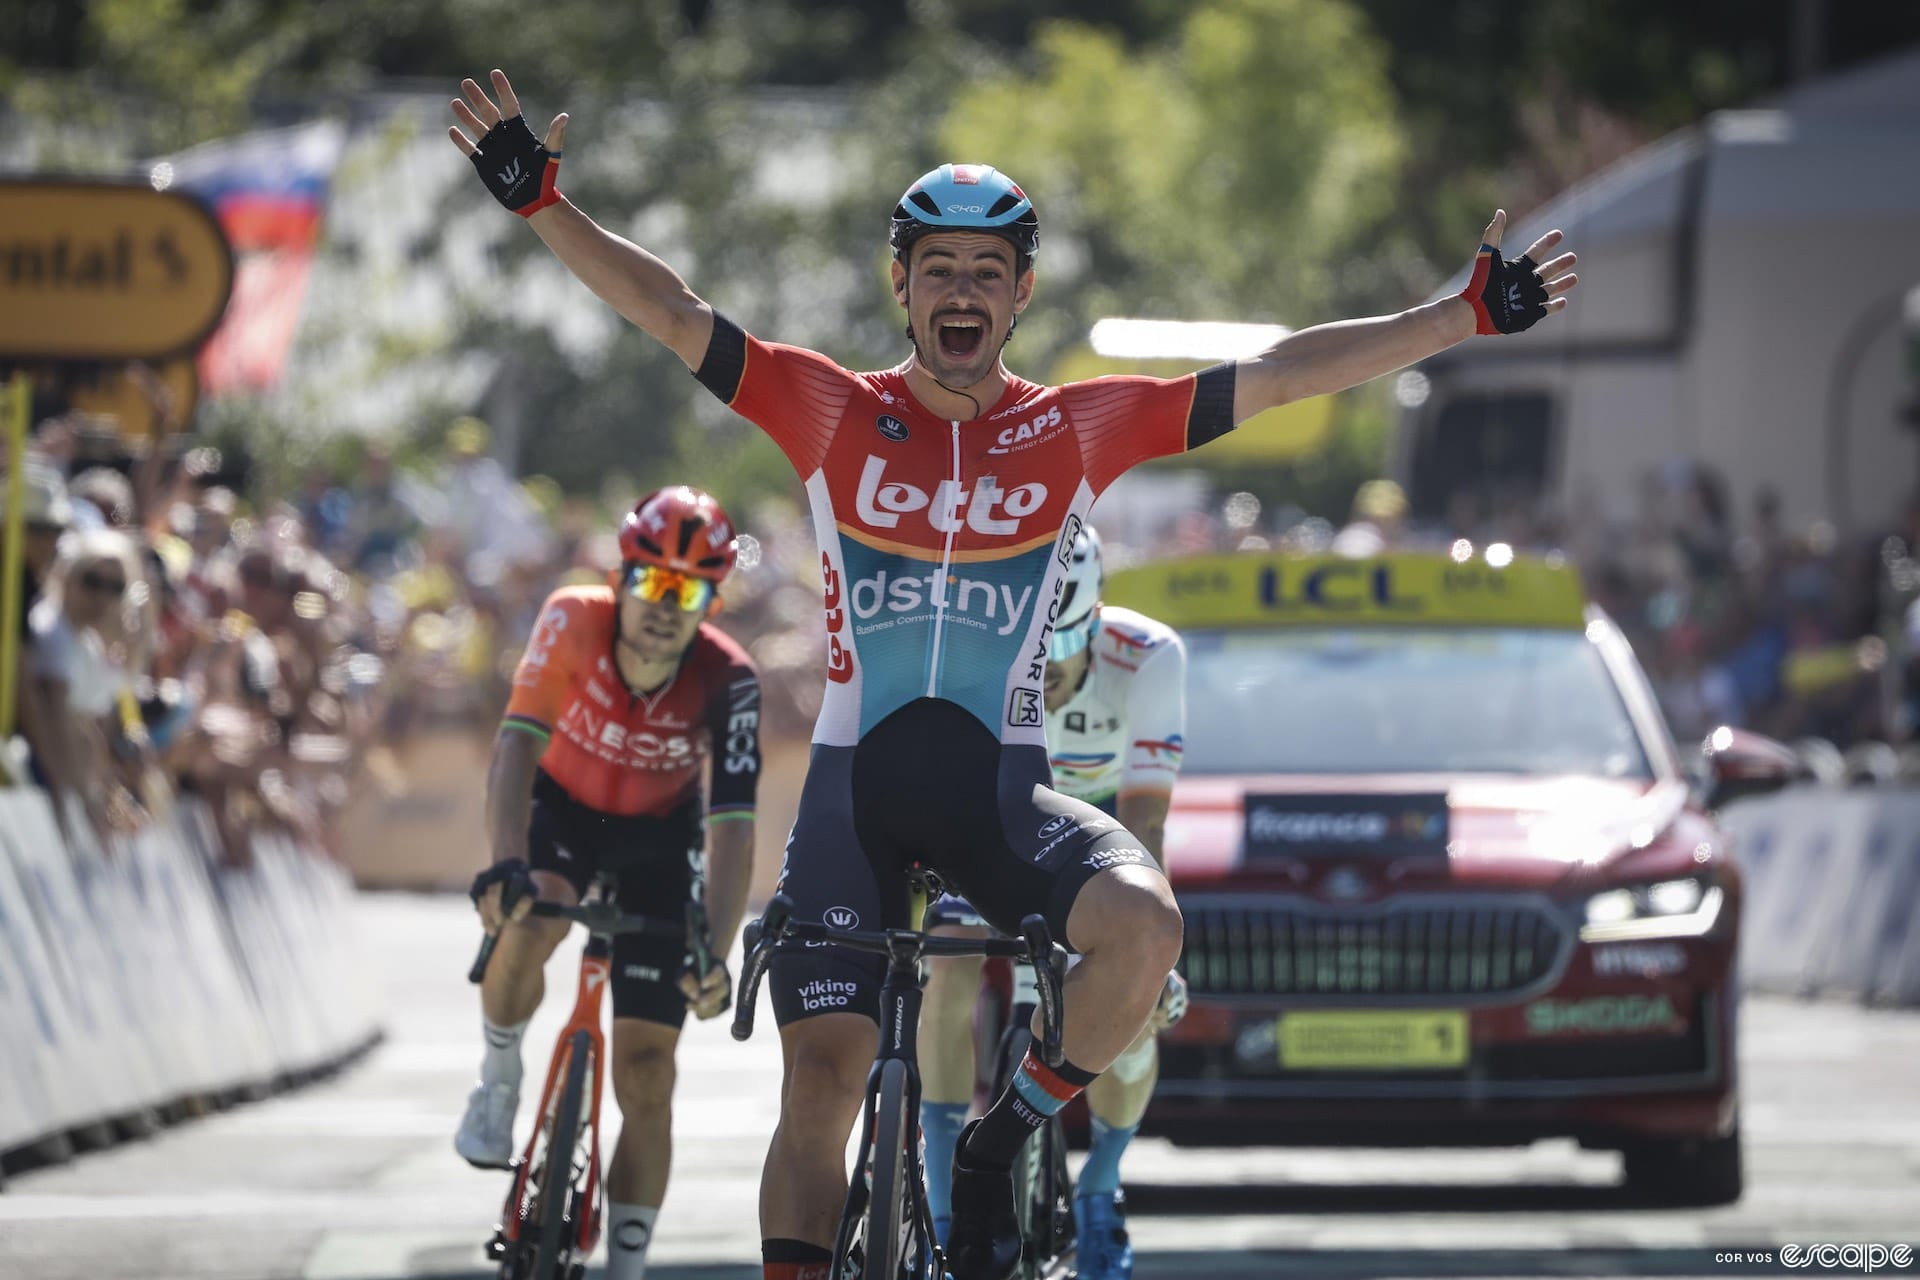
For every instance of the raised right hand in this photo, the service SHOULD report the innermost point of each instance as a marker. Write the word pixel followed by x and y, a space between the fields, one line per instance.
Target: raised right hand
pixel 518 169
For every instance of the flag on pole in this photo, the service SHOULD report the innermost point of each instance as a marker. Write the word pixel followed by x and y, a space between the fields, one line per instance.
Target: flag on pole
pixel 269 191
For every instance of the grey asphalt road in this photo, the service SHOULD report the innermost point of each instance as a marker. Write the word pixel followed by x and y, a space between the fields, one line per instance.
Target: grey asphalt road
pixel 354 1178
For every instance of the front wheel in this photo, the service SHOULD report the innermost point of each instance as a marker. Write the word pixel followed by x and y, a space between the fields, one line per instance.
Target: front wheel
pixel 556 1177
pixel 1687 1171
pixel 886 1226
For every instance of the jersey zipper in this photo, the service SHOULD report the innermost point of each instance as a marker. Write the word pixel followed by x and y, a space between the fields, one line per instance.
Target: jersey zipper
pixel 946 568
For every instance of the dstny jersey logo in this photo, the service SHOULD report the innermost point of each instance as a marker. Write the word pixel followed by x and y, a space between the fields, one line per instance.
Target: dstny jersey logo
pixel 975 602
pixel 986 509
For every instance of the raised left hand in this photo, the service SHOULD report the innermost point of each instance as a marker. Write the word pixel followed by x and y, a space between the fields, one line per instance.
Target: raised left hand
pixel 1511 295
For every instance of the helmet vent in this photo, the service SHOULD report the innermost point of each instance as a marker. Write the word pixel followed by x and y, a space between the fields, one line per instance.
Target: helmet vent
pixel 926 202
pixel 1004 203
pixel 687 529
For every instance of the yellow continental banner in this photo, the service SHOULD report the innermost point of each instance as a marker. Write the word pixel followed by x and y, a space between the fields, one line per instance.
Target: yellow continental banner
pixel 1401 589
pixel 1382 1040
pixel 107 271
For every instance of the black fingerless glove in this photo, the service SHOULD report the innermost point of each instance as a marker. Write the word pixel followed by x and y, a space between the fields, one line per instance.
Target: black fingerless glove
pixel 512 874
pixel 517 167
pixel 1507 294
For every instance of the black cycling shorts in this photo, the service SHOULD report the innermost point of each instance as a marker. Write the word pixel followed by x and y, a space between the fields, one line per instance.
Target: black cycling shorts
pixel 656 865
pixel 929 784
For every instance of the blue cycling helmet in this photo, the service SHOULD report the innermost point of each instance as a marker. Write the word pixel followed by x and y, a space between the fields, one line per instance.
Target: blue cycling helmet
pixel 966 197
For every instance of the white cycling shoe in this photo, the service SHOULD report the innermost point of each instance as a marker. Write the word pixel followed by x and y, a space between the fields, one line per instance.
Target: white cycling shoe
pixel 485 1139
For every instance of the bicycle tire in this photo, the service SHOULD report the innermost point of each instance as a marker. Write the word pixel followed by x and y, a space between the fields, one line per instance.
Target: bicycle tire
pixel 886 1219
pixel 556 1185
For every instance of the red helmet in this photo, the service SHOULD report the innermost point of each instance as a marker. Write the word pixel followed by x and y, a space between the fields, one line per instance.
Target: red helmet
pixel 680 528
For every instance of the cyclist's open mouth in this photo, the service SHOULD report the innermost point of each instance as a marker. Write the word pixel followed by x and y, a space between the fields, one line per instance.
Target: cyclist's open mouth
pixel 961 336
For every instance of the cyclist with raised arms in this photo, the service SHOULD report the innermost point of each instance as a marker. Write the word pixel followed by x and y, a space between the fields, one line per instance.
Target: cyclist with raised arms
pixel 946 495
pixel 623 692
pixel 1116 700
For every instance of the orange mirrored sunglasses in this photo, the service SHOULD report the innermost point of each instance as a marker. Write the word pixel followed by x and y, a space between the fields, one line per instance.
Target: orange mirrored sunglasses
pixel 656 585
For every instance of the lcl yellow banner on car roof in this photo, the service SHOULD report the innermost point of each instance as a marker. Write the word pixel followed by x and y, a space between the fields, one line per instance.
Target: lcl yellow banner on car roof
pixel 1401 589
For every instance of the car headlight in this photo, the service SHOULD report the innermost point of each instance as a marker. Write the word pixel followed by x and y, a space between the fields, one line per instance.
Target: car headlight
pixel 1664 909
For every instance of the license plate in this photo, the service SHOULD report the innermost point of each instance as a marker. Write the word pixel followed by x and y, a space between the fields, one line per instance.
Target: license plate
pixel 1379 1040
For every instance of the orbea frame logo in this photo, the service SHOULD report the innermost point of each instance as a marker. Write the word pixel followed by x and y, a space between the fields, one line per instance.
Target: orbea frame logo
pixel 989 509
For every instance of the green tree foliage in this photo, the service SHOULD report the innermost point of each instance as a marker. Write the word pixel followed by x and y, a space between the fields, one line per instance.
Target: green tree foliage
pixel 1217 176
pixel 1251 159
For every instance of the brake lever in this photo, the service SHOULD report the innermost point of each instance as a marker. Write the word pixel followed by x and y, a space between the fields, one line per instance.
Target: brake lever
pixel 700 947
pixel 1049 961
pixel 509 898
pixel 762 936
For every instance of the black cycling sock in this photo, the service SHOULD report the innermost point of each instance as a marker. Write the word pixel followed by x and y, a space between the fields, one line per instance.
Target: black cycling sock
pixel 1035 1096
pixel 782 1259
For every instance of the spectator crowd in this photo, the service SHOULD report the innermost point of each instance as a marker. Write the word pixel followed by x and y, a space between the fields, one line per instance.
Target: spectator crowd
pixel 177 638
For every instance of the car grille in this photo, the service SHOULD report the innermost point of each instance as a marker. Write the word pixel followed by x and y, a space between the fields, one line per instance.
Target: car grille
pixel 1255 947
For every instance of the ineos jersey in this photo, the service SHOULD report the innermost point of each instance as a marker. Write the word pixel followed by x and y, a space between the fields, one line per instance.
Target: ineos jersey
pixel 624 753
pixel 944 542
pixel 1122 731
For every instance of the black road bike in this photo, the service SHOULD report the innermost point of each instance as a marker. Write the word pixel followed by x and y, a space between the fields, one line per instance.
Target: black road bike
pixel 886 1226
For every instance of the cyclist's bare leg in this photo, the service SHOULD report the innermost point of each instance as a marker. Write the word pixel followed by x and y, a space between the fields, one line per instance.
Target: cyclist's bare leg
pixel 642 1076
pixel 1118 1101
pixel 516 976
pixel 514 984
pixel 1127 929
pixel 805 1181
pixel 946 1022
pixel 947 1060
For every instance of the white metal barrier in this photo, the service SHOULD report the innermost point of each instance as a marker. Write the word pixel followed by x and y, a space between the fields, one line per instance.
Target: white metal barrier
pixel 143 975
pixel 1833 892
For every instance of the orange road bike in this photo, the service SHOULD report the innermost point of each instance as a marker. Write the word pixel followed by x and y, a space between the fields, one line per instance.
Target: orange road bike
pixel 551 1219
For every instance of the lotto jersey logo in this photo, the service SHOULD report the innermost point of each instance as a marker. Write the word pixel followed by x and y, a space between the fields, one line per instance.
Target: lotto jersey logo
pixel 986 508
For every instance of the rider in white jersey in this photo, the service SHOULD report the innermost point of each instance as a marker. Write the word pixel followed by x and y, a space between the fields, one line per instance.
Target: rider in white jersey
pixel 1115 694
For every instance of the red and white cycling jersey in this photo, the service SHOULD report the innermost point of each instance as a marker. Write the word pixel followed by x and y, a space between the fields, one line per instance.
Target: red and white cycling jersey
pixel 944 542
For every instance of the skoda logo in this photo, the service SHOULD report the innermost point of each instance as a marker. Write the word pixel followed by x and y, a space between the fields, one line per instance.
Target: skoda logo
pixel 842 918
pixel 1055 824
pixel 891 427
pixel 1344 884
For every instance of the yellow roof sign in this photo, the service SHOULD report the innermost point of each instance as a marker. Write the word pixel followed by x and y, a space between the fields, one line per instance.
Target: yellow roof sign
pixel 1397 589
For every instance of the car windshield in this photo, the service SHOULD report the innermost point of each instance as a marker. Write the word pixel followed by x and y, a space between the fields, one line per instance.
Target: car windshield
pixel 1405 700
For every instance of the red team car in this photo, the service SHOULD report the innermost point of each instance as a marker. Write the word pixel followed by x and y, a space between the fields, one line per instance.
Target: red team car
pixel 1447 879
